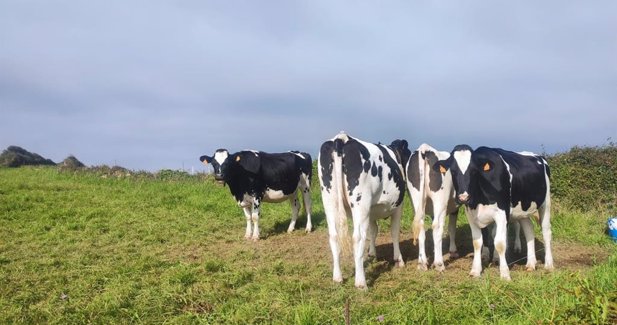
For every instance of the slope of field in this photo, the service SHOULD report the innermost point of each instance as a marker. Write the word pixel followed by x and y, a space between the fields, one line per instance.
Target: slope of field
pixel 85 248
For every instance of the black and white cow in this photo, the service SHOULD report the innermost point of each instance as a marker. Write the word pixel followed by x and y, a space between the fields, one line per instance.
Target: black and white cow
pixel 431 193
pixel 255 177
pixel 365 181
pixel 497 185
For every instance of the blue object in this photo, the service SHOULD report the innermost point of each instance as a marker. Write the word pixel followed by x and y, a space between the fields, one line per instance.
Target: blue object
pixel 612 228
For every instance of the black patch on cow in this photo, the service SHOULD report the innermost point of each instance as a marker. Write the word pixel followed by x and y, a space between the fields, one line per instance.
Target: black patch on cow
pixel 395 173
pixel 353 154
pixel 359 198
pixel 374 170
pixel 380 173
pixel 435 177
pixel 326 162
pixel 413 170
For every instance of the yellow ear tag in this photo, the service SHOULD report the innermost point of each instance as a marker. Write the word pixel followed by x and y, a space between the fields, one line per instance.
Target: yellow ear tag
pixel 238 158
pixel 206 162
pixel 486 167
pixel 442 169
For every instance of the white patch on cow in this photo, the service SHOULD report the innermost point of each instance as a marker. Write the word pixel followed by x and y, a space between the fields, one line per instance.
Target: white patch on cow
pixel 463 158
pixel 517 211
pixel 274 196
pixel 299 155
pixel 509 173
pixel 221 156
pixel 527 153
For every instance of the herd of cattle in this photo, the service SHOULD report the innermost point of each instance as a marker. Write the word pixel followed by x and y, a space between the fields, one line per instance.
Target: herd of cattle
pixel 365 181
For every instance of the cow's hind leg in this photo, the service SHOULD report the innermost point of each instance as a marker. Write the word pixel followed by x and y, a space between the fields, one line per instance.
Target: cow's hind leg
pixel 372 235
pixel 305 187
pixel 517 236
pixel 545 221
pixel 452 232
pixel 438 225
pixel 295 209
pixel 530 238
pixel 395 231
pixel 360 229
pixel 255 219
pixel 247 215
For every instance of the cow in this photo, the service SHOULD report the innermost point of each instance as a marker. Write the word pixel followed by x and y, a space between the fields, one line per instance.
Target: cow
pixel 365 181
pixel 254 177
pixel 497 185
pixel 431 193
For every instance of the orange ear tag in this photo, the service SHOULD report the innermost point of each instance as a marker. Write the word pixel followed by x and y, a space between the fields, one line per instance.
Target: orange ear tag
pixel 487 167
pixel 442 169
pixel 238 158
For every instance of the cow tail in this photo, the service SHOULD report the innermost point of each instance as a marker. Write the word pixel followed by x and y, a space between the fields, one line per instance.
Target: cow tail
pixel 423 170
pixel 341 215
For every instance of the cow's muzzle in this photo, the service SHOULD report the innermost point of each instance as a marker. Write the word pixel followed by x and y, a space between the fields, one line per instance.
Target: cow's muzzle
pixel 463 198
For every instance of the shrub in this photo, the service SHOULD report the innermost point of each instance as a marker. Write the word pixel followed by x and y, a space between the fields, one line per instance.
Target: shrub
pixel 585 177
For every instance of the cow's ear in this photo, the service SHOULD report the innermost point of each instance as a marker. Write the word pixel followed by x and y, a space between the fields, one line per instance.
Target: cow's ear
pixel 442 166
pixel 205 159
pixel 248 160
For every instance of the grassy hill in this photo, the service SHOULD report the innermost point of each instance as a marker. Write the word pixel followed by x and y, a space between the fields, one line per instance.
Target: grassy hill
pixel 97 247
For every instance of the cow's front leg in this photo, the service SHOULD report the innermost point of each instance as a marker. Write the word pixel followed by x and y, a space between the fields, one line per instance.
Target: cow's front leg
pixel 255 218
pixel 247 216
pixel 501 232
pixel 476 265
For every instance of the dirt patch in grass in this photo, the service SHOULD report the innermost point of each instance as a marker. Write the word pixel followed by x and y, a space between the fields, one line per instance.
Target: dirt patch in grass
pixel 310 249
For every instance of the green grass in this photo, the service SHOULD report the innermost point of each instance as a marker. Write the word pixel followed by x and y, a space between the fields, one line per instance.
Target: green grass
pixel 80 248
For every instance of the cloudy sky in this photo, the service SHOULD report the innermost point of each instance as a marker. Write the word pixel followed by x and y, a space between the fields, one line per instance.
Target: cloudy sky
pixel 155 84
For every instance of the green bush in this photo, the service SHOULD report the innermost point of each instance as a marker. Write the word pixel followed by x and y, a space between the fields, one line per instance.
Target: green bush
pixel 585 178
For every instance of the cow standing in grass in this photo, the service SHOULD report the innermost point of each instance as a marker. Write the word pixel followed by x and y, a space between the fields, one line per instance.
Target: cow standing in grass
pixel 432 193
pixel 365 181
pixel 497 186
pixel 254 177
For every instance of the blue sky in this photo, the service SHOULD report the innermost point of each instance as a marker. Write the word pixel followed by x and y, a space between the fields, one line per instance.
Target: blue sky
pixel 156 84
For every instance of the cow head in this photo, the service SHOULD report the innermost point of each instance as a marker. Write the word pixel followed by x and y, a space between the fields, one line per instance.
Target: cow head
pixel 217 160
pixel 400 147
pixel 463 170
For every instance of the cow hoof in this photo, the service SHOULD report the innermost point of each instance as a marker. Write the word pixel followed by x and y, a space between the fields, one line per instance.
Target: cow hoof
pixel 474 274
pixel 530 267
pixel 506 277
pixel 308 229
pixel 399 263
pixel 290 230
pixel 549 267
pixel 422 267
pixel 337 279
pixel 361 286
pixel 439 267
pixel 454 255
pixel 255 239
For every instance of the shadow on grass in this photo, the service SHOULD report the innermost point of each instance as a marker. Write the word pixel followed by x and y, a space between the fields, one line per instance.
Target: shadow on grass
pixel 279 227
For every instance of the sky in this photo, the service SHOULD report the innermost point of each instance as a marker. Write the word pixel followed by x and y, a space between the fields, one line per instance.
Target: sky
pixel 156 84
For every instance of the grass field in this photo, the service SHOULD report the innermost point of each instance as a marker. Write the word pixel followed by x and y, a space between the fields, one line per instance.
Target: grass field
pixel 85 248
